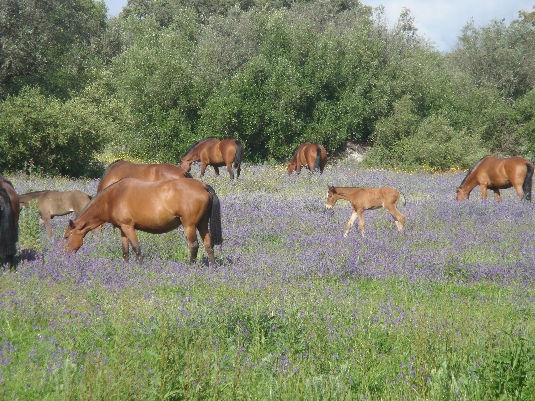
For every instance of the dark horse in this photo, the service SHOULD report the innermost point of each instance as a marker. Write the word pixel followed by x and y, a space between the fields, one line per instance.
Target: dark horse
pixel 495 174
pixel 55 203
pixel 145 172
pixel 364 198
pixel 311 155
pixel 9 221
pixel 215 153
pixel 154 207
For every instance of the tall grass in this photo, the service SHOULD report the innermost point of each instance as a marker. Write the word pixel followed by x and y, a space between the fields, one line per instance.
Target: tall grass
pixel 292 310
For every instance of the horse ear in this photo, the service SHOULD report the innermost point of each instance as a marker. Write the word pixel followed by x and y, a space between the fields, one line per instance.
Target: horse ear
pixel 331 188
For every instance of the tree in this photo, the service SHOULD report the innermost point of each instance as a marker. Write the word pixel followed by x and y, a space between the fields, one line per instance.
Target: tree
pixel 49 43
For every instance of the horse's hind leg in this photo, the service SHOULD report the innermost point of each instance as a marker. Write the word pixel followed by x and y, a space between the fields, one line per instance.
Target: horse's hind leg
pixel 193 244
pixel 230 172
pixel 498 195
pixel 398 217
pixel 207 240
pixel 216 170
pixel 519 191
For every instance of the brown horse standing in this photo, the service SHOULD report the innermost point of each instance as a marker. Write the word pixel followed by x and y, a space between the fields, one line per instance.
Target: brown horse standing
pixel 145 172
pixel 311 155
pixel 9 221
pixel 216 153
pixel 55 203
pixel 362 199
pixel 153 207
pixel 498 173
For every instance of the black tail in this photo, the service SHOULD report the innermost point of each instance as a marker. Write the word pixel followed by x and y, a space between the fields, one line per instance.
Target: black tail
pixel 216 233
pixel 9 233
pixel 238 155
pixel 526 186
pixel 318 159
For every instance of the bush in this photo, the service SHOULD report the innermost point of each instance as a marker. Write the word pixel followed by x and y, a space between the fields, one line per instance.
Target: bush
pixel 43 134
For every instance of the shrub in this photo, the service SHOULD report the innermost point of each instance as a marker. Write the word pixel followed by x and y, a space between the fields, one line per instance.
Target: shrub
pixel 43 134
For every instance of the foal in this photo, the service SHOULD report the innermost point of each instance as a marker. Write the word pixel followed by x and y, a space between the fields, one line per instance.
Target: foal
pixel 362 199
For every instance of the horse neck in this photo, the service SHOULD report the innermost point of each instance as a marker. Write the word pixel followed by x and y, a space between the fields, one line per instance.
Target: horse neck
pixel 89 217
pixel 345 192
pixel 470 181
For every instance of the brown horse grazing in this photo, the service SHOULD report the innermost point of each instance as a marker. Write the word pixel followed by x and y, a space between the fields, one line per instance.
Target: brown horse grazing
pixel 154 207
pixel 9 222
pixel 363 198
pixel 311 155
pixel 55 203
pixel 145 172
pixel 216 153
pixel 498 173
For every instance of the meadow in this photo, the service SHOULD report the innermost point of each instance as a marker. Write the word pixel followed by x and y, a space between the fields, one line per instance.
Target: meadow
pixel 292 310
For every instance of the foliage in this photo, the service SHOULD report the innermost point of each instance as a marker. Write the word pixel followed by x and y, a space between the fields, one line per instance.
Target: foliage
pixel 40 133
pixel 52 44
pixel 273 74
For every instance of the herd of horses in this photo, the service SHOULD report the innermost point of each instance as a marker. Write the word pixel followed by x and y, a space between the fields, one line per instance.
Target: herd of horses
pixel 158 198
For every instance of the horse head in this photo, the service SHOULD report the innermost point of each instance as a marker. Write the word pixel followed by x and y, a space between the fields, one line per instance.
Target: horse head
pixel 462 194
pixel 331 197
pixel 292 166
pixel 73 237
pixel 186 164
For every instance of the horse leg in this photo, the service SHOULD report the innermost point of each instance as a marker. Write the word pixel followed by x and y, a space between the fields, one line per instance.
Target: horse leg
pixel 128 236
pixel 203 168
pixel 398 217
pixel 498 196
pixel 48 226
pixel 350 223
pixel 238 171
pixel 216 170
pixel 519 191
pixel 193 244
pixel 207 240
pixel 483 191
pixel 229 169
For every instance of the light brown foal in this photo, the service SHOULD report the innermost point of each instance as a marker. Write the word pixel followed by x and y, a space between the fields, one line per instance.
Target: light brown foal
pixel 364 198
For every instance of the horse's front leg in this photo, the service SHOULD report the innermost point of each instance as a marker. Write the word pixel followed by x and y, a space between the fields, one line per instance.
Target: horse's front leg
pixel 193 244
pixel 483 191
pixel 498 195
pixel 350 223
pixel 203 168
pixel 128 236
pixel 48 226
pixel 216 170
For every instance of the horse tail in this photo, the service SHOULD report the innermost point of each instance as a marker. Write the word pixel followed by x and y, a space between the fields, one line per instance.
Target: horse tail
pixel 216 233
pixel 238 155
pixel 402 197
pixel 9 233
pixel 318 159
pixel 526 186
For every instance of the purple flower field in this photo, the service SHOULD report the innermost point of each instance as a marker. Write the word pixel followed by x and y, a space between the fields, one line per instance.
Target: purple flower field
pixel 291 305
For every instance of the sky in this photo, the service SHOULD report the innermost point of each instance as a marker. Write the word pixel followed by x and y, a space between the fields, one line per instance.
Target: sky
pixel 440 21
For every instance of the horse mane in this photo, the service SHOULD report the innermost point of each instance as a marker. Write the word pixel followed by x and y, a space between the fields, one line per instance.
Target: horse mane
pixel 196 144
pixel 97 194
pixel 472 169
